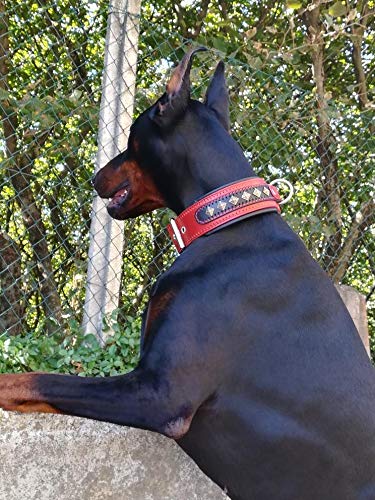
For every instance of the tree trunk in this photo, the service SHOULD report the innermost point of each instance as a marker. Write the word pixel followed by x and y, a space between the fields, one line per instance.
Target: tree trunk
pixel 329 194
pixel 12 305
pixel 19 171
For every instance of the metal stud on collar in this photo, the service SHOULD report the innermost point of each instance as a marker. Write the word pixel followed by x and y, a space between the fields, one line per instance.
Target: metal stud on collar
pixel 290 186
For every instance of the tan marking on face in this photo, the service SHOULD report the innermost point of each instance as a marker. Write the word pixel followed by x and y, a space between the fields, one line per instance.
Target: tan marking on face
pixel 144 195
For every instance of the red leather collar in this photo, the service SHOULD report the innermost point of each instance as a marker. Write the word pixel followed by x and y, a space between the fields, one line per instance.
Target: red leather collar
pixel 221 207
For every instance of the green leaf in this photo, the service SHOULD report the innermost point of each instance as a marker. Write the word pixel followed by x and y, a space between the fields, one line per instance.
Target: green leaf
pixel 4 94
pixel 293 4
pixel 338 9
pixel 220 44
pixel 254 62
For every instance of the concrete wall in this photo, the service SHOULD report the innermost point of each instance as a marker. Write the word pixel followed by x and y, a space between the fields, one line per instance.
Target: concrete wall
pixel 53 457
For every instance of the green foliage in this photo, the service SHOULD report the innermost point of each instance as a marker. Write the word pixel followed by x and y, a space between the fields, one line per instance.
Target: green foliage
pixel 76 354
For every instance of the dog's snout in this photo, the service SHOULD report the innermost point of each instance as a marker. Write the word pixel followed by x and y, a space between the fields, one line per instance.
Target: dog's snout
pixel 99 183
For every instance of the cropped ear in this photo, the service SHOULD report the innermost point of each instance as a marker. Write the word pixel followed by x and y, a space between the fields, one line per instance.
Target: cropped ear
pixel 175 100
pixel 217 97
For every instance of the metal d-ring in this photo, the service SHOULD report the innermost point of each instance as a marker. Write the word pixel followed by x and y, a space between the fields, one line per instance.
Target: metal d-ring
pixel 290 186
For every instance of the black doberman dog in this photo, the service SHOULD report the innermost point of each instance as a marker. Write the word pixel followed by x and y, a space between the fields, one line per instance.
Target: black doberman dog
pixel 249 359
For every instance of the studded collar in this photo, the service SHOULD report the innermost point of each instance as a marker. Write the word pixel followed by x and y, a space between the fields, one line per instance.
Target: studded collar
pixel 221 207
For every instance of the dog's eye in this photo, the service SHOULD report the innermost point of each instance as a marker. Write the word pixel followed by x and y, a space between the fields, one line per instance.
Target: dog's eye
pixel 135 145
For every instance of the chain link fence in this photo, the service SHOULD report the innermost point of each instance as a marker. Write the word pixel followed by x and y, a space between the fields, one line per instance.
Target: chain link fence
pixel 51 65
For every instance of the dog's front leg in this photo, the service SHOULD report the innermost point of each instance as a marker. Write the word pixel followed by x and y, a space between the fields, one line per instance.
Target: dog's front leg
pixel 142 399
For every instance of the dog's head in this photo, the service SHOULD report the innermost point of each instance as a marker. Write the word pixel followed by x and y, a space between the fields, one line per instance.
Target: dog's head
pixel 178 150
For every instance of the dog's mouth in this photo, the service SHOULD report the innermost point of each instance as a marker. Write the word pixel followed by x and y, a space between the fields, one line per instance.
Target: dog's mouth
pixel 119 199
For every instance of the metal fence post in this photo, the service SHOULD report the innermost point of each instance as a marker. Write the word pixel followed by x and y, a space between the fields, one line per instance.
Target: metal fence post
pixel 116 112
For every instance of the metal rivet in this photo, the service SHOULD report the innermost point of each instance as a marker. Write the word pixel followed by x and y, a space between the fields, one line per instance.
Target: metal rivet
pixel 183 229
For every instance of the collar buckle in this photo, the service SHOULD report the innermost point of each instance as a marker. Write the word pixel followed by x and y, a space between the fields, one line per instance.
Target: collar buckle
pixel 177 234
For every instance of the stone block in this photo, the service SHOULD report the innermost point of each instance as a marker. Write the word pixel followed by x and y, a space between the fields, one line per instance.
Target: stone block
pixel 55 457
pixel 356 305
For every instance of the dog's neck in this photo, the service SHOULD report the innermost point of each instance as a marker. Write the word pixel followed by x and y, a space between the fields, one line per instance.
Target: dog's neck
pixel 206 169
